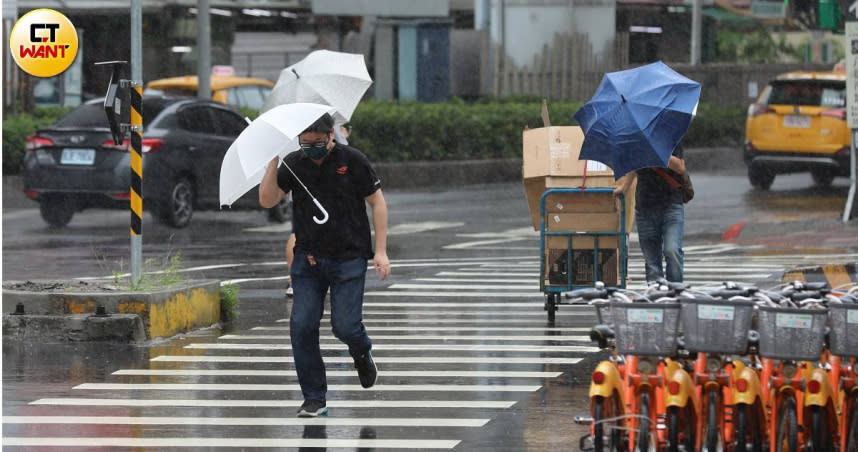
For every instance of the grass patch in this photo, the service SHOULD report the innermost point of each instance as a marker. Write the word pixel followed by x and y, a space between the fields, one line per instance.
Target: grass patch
pixel 229 302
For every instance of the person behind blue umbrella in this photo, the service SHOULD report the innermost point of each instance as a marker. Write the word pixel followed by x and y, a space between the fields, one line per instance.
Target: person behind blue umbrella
pixel 659 216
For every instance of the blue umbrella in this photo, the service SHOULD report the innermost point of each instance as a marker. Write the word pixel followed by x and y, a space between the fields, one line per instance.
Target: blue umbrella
pixel 637 117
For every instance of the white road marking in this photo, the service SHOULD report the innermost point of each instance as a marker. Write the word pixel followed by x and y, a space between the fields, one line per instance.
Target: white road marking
pixel 378 359
pixel 465 286
pixel 481 272
pixel 451 304
pixel 408 293
pixel 447 328
pixel 416 228
pixel 242 280
pixel 267 421
pixel 428 320
pixel 277 403
pixel 230 442
pixel 499 281
pixel 415 337
pixel 564 311
pixel 296 387
pixel 337 373
pixel 422 347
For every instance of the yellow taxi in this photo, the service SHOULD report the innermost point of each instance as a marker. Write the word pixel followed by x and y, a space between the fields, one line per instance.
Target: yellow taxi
pixel 798 124
pixel 228 89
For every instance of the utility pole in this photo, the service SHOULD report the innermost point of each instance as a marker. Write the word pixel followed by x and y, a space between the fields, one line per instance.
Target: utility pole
pixel 696 31
pixel 204 50
pixel 136 189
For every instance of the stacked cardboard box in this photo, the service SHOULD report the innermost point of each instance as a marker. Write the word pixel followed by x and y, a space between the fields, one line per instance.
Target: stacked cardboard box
pixel 550 160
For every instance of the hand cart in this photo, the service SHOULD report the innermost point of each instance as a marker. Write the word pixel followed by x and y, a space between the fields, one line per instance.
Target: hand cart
pixel 567 265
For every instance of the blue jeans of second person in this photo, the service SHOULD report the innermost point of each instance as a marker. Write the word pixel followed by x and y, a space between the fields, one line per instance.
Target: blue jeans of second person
pixel 660 233
pixel 310 283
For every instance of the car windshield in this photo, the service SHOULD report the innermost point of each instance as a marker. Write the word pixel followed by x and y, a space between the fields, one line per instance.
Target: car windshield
pixel 814 93
pixel 92 114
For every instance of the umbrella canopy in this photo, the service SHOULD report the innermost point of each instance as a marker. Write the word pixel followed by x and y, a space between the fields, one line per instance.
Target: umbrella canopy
pixel 323 77
pixel 273 134
pixel 637 117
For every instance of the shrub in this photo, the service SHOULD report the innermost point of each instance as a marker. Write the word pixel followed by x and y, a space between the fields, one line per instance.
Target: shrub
pixel 17 128
pixel 491 128
pixel 229 302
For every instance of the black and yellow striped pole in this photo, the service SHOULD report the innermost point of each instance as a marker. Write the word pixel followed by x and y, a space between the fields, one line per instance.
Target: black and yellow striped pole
pixel 136 151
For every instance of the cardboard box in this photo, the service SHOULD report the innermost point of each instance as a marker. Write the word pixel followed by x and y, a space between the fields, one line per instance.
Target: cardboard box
pixel 550 160
pixel 553 151
pixel 557 271
pixel 589 222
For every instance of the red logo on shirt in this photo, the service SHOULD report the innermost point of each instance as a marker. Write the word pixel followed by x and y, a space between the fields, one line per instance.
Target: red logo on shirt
pixel 342 170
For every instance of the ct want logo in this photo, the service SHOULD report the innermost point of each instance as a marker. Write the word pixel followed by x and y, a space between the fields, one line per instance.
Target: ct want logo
pixel 43 42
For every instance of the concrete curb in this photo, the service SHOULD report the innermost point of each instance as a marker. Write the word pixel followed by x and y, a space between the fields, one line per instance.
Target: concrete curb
pixel 163 313
pixel 75 328
pixel 834 275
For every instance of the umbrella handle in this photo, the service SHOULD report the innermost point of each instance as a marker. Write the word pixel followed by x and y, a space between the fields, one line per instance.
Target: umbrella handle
pixel 324 212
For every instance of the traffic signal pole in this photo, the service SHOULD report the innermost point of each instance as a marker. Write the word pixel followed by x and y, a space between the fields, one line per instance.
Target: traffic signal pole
pixel 136 85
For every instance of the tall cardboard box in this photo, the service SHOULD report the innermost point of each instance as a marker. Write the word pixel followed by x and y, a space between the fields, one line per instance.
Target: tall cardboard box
pixel 550 160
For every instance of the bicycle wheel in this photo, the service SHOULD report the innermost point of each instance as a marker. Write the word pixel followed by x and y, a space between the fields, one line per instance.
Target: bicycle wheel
pixel 820 436
pixel 605 412
pixel 643 443
pixel 680 429
pixel 747 432
pixel 852 432
pixel 787 427
pixel 711 436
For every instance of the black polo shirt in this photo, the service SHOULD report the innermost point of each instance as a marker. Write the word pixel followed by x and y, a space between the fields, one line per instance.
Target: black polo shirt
pixel 340 183
pixel 653 192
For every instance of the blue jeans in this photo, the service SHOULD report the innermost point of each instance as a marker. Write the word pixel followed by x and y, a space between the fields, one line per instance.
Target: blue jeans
pixel 660 233
pixel 346 280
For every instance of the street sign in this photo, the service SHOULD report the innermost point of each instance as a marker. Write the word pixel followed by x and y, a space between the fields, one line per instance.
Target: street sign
pixel 115 103
pixel 763 9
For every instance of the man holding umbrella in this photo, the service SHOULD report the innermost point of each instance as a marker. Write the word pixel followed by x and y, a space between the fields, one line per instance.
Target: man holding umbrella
pixel 329 254
pixel 659 217
pixel 634 123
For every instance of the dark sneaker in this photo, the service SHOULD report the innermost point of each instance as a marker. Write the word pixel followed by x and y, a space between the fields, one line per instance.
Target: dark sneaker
pixel 313 408
pixel 367 370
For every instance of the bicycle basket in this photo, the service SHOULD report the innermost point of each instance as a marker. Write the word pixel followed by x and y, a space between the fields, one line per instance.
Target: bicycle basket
pixel 603 312
pixel 844 329
pixel 645 328
pixel 716 326
pixel 791 333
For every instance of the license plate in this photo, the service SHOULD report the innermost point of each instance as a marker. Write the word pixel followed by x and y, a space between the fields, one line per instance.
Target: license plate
pixel 78 157
pixel 797 121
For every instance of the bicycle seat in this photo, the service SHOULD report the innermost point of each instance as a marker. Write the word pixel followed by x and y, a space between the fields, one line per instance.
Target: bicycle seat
pixel 601 334
pixel 590 293
pixel 737 292
pixel 805 295
pixel 800 285
pixel 849 298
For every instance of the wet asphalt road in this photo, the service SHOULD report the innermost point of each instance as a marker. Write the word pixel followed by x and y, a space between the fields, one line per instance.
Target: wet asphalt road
pixel 467 358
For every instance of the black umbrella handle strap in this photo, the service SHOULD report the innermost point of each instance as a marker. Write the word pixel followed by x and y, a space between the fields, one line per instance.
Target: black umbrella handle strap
pixel 671 181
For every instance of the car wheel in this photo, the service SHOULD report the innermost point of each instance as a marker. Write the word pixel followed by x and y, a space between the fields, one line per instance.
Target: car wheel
pixel 822 177
pixel 178 208
pixel 280 212
pixel 57 210
pixel 760 177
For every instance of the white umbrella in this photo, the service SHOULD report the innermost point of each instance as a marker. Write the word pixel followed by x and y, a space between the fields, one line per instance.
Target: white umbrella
pixel 324 77
pixel 273 134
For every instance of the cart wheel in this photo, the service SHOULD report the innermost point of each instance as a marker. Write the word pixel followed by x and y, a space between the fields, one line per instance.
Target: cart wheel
pixel 551 305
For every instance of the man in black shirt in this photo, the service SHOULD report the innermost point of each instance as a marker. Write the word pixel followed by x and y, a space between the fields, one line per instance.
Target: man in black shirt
pixel 329 255
pixel 660 217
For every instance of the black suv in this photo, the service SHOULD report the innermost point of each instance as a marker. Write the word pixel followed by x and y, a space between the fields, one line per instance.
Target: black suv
pixel 74 164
